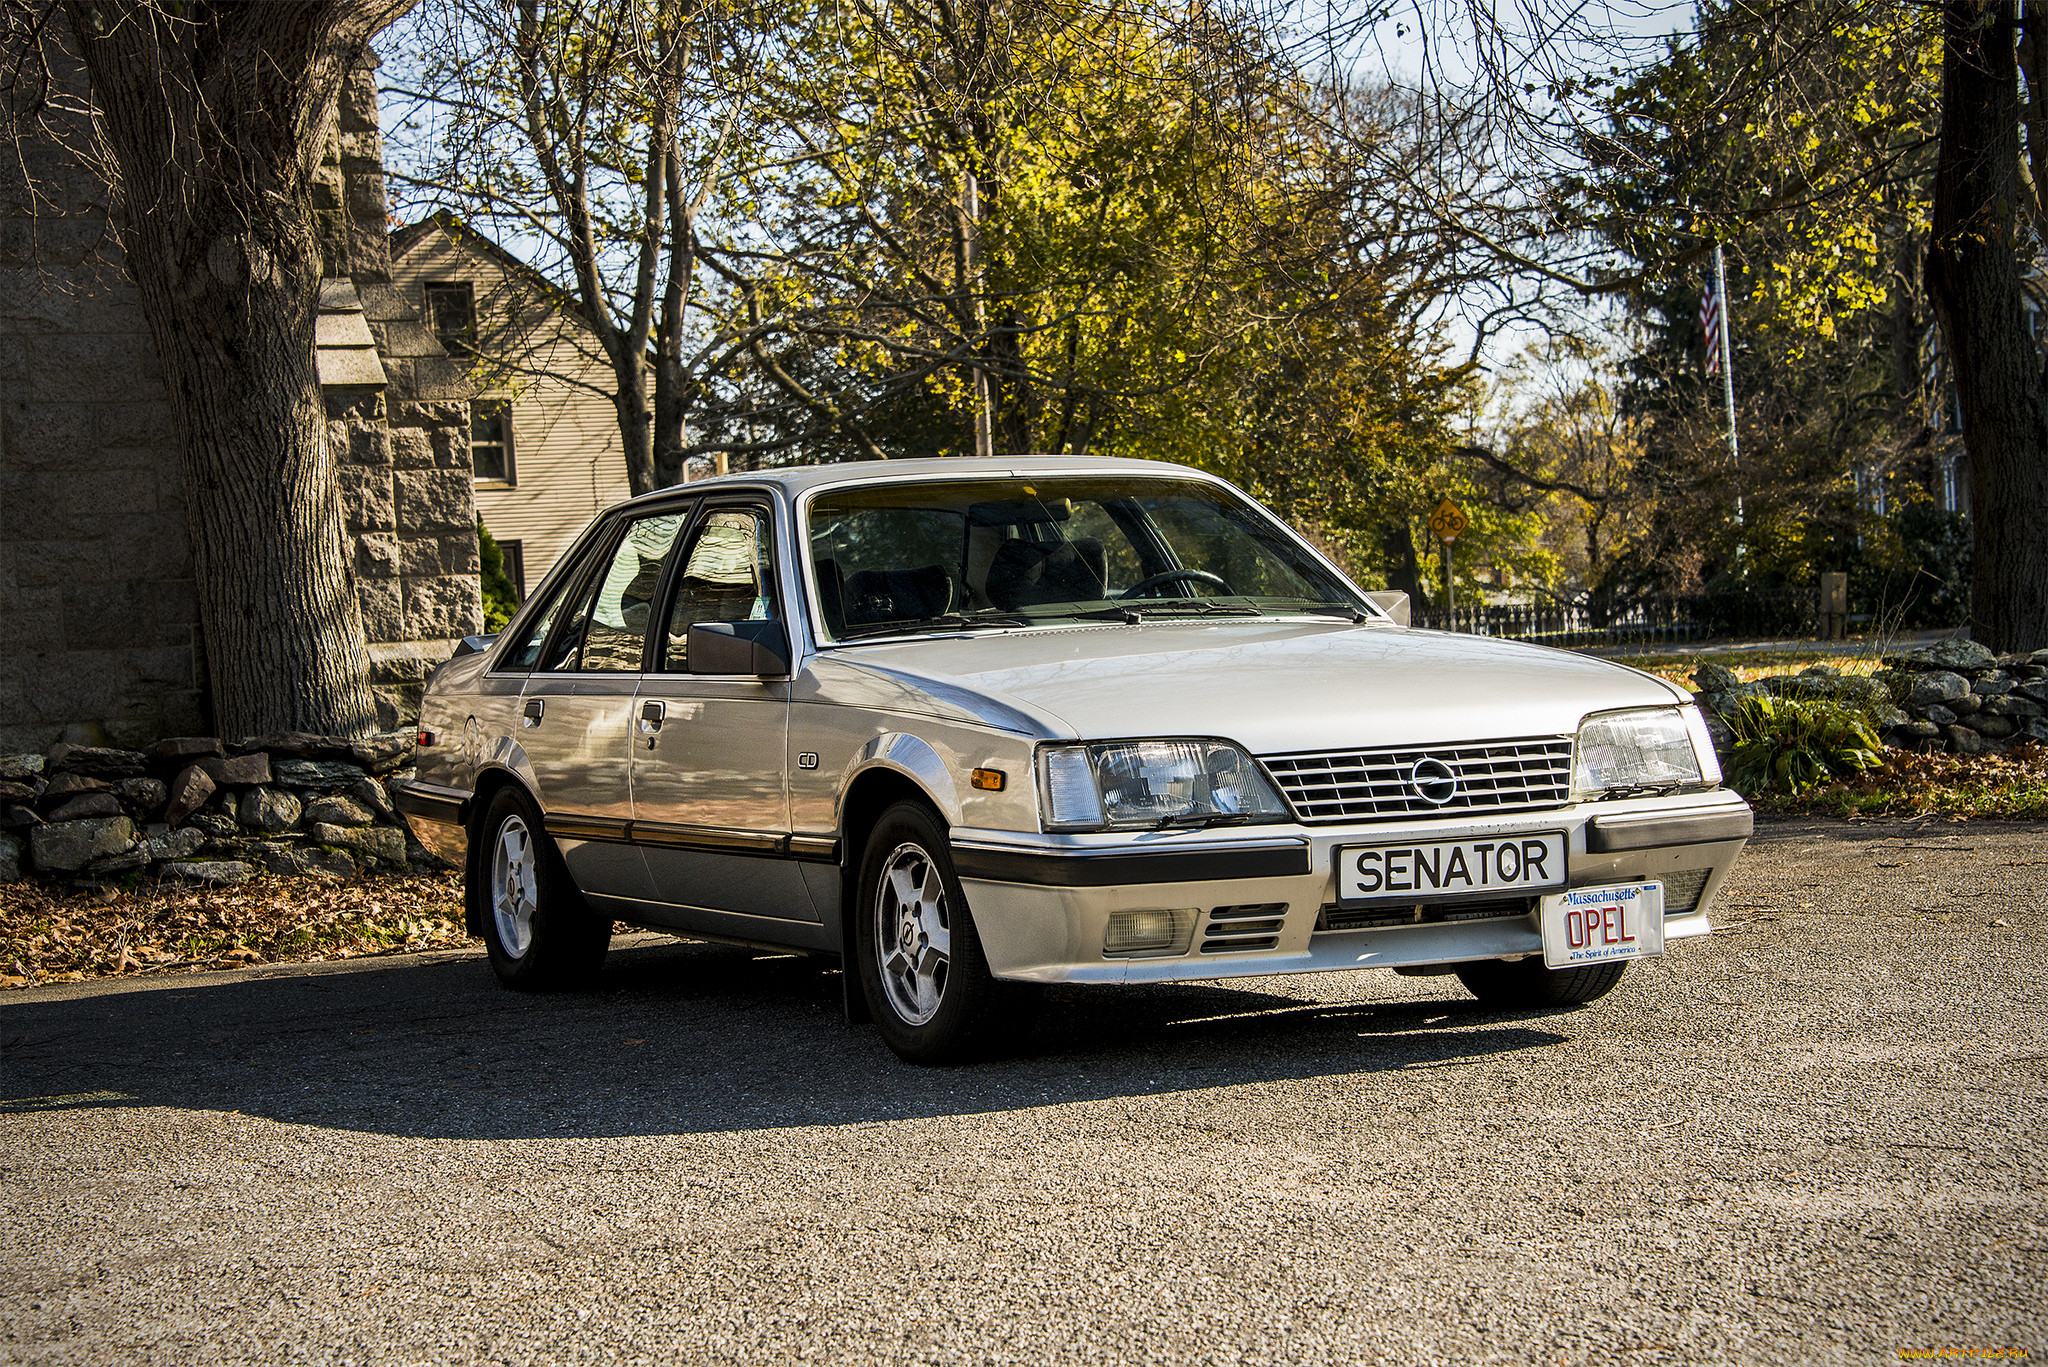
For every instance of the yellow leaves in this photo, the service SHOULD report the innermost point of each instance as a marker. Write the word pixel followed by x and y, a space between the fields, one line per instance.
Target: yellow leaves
pixel 46 936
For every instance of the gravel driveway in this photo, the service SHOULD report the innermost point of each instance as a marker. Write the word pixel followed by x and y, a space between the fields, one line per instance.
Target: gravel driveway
pixel 1815 1137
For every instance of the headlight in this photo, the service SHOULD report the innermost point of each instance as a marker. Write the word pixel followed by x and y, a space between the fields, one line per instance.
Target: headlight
pixel 1120 785
pixel 1651 748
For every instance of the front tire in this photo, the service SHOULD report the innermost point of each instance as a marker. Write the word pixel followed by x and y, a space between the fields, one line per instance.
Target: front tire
pixel 926 981
pixel 539 932
pixel 1526 983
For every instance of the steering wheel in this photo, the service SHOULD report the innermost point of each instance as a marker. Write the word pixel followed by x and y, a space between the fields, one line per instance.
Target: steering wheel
pixel 1137 590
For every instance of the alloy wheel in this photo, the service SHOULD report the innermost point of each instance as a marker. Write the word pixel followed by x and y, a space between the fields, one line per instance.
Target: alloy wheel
pixel 913 933
pixel 515 886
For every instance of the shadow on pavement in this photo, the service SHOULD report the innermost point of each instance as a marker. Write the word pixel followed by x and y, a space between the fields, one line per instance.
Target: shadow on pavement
pixel 678 1038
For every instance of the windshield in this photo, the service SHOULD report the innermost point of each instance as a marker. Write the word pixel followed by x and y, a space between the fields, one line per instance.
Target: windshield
pixel 897 558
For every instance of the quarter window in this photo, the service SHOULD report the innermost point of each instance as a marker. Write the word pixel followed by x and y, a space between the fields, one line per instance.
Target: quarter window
pixel 728 577
pixel 526 654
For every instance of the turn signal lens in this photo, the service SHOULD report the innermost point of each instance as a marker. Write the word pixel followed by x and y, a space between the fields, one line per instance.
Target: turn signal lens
pixel 1133 933
pixel 426 739
pixel 989 780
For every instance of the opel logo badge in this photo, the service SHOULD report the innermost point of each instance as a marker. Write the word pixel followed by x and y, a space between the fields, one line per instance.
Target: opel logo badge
pixel 1433 781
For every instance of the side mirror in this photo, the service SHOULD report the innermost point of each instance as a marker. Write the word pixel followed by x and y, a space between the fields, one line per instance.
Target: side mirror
pixel 753 648
pixel 1393 602
pixel 473 645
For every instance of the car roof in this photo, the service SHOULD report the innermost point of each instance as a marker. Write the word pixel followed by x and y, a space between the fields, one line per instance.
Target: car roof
pixel 796 480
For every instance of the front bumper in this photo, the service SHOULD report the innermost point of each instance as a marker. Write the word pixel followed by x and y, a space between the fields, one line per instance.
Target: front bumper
pixel 1266 903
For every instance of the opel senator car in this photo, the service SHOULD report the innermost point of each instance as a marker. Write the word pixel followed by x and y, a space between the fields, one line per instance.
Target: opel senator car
pixel 971 724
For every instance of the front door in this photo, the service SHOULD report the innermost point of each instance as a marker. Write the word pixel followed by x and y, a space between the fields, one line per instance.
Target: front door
pixel 710 799
pixel 576 710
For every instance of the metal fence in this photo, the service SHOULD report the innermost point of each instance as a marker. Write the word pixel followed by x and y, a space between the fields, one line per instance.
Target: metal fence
pixel 1650 620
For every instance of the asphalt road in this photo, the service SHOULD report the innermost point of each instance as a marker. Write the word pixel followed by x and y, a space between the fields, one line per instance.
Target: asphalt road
pixel 1815 1137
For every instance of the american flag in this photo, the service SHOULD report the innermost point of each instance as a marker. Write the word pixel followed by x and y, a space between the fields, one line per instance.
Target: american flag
pixel 1710 324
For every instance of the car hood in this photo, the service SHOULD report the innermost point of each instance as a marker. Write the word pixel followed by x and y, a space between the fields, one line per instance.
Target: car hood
pixel 1273 687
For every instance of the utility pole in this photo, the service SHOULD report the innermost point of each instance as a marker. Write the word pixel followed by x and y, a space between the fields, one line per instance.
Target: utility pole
pixel 970 212
pixel 1728 377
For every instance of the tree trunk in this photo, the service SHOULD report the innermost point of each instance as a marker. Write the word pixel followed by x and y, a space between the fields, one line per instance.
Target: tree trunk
pixel 217 116
pixel 636 430
pixel 1974 272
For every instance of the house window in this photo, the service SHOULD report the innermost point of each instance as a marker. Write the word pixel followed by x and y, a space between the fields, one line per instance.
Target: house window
pixel 515 566
pixel 490 441
pixel 451 312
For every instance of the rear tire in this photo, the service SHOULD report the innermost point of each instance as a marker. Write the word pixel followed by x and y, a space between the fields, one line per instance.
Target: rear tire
pixel 922 971
pixel 1526 983
pixel 539 932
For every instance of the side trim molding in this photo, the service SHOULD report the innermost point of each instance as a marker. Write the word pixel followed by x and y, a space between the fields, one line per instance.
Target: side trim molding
pixel 588 828
pixel 703 839
pixel 1065 869
pixel 1617 834
pixel 431 802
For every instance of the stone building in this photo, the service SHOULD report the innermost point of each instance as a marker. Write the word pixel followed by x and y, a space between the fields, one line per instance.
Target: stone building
pixel 99 627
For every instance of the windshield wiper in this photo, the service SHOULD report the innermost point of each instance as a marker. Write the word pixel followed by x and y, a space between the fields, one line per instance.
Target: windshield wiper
pixel 1345 610
pixel 950 619
pixel 1202 821
pixel 1196 607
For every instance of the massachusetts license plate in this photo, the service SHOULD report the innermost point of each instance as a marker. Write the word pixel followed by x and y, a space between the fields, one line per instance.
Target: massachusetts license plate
pixel 1422 871
pixel 1596 925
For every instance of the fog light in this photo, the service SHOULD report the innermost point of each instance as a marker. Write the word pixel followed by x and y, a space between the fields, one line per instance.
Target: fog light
pixel 1134 933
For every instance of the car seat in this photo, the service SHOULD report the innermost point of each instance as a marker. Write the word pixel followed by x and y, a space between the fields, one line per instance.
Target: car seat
pixel 1026 572
pixel 906 595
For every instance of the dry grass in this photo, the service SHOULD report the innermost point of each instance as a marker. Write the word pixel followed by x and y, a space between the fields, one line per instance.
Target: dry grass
pixel 54 935
pixel 1749 666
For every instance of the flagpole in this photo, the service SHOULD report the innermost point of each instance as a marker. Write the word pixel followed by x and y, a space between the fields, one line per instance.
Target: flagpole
pixel 1728 376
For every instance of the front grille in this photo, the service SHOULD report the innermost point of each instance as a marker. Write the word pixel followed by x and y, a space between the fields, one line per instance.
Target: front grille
pixel 1373 785
pixel 1682 890
pixel 1334 917
pixel 1234 930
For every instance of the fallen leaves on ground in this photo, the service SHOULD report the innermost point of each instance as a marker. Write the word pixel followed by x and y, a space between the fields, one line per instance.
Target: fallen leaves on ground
pixel 2013 785
pixel 50 934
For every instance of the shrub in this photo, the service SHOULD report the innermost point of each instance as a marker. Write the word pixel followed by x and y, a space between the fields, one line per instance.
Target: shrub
pixel 501 600
pixel 1787 745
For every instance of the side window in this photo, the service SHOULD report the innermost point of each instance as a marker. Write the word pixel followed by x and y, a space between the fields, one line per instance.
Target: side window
pixel 727 577
pixel 624 601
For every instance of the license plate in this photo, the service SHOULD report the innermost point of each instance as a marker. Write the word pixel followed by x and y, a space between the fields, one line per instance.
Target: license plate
pixel 1433 870
pixel 1597 925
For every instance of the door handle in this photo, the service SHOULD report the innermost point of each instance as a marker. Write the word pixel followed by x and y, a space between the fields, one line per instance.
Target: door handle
pixel 652 713
pixel 531 715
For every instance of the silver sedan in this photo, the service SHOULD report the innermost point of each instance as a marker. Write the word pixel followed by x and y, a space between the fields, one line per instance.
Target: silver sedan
pixel 974 725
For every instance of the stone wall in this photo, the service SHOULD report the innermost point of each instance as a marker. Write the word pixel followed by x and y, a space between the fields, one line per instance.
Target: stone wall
pixel 1953 696
pixel 398 424
pixel 194 809
pixel 98 635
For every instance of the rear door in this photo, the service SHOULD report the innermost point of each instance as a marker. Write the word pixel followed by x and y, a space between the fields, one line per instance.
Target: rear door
pixel 710 796
pixel 576 711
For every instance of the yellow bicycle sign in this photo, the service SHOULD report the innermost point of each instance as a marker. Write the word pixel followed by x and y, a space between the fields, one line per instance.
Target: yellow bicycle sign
pixel 1448 522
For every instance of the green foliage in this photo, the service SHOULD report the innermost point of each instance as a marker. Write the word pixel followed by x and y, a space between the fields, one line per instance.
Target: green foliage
pixel 501 600
pixel 1789 745
pixel 1818 181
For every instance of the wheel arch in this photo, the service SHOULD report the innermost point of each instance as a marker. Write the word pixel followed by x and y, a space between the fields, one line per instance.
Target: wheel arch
pixel 490 781
pixel 874 787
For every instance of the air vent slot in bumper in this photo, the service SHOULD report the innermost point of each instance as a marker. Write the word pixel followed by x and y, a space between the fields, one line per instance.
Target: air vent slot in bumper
pixel 1241 929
